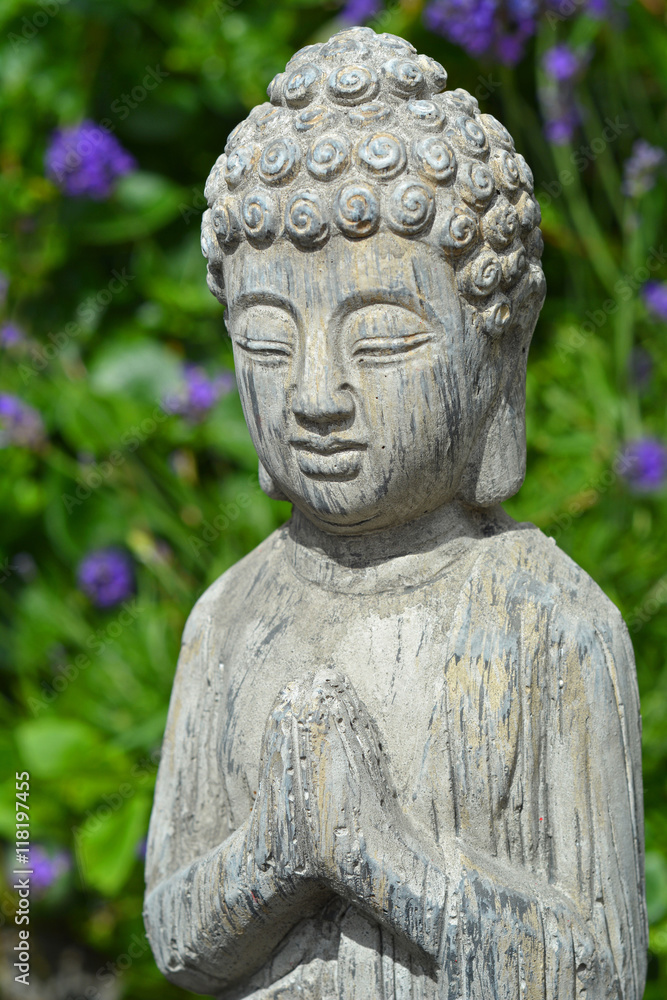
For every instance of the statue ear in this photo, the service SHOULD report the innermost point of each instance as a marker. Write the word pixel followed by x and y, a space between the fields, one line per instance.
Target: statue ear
pixel 497 464
pixel 268 486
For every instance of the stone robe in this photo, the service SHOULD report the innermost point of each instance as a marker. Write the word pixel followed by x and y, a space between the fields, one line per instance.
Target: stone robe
pixel 503 686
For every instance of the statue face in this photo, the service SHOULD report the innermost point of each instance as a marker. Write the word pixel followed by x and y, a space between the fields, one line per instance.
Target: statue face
pixel 360 389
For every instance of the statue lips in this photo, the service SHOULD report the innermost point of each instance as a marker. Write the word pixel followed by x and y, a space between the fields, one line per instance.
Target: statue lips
pixel 329 457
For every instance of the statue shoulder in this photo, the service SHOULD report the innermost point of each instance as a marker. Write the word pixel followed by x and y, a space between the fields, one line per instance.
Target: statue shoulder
pixel 566 621
pixel 536 571
pixel 222 601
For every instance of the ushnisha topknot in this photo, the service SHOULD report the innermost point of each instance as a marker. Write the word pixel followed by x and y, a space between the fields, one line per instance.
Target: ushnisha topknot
pixel 359 136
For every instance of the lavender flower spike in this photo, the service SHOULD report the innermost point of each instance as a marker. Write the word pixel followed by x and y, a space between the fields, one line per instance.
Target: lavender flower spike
pixel 86 160
pixel 560 124
pixel 10 335
pixel 491 28
pixel 643 464
pixel 654 294
pixel 199 393
pixel 641 168
pixel 359 11
pixel 561 63
pixel 106 576
pixel 47 868
pixel 20 424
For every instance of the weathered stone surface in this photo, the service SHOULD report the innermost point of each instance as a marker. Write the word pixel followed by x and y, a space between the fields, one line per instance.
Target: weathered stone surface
pixel 402 757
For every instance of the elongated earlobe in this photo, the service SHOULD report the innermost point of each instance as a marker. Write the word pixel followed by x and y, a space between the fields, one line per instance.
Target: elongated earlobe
pixel 268 486
pixel 497 463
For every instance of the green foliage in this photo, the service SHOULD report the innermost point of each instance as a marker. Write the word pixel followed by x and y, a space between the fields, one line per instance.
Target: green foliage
pixel 112 298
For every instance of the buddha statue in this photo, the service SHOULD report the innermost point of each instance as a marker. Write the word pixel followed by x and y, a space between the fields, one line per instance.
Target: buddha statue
pixel 402 757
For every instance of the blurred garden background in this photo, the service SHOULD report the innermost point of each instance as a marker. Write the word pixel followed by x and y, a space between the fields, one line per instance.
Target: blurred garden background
pixel 128 482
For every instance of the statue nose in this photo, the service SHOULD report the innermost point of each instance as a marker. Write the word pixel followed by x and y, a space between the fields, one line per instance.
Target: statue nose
pixel 317 401
pixel 320 395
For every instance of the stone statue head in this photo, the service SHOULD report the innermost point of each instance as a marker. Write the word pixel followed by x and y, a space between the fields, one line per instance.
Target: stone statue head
pixel 376 241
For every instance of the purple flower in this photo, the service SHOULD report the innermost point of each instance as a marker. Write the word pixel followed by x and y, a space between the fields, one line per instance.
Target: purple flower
pixel 198 393
pixel 360 11
pixel 643 463
pixel 561 128
pixel 469 23
pixel 641 168
pixel 106 576
pixel 654 294
pixel 11 335
pixel 84 161
pixel 47 868
pixel 509 48
pixel 20 424
pixel 561 63
pixel 497 28
pixel 562 66
pixel 140 849
pixel 523 11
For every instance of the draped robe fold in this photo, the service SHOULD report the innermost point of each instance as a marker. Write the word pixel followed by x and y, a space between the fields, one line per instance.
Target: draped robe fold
pixel 503 682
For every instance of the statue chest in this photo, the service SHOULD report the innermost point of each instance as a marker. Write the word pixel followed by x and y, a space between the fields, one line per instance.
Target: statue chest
pixel 448 716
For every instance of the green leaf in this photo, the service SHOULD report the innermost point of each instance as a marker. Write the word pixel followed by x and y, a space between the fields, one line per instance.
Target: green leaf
pixel 142 204
pixel 656 886
pixel 139 368
pixel 7 809
pixel 49 748
pixel 106 844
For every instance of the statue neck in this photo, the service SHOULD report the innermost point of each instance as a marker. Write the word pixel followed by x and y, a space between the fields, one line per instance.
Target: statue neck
pixel 398 558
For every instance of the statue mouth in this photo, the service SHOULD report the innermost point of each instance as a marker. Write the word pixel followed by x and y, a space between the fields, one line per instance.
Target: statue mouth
pixel 328 458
